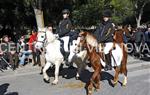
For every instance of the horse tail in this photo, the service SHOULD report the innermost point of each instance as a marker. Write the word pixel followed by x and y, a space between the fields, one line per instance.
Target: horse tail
pixel 123 68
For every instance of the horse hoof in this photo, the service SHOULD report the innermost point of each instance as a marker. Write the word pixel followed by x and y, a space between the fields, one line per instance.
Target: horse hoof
pixel 54 83
pixel 115 83
pixel 46 81
pixel 77 78
pixel 64 76
pixel 41 73
pixel 90 92
pixel 124 85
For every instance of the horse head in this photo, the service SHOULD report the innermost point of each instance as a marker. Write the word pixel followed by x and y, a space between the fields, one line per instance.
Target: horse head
pixel 81 42
pixel 86 39
pixel 44 35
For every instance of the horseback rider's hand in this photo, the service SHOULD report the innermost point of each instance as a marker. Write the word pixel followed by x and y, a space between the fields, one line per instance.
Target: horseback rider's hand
pixel 57 36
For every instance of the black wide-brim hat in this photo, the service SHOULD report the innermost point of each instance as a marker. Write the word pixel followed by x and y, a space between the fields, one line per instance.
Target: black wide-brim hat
pixel 65 11
pixel 107 13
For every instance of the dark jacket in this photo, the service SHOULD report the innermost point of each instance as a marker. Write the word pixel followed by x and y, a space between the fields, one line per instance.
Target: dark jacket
pixel 104 32
pixel 139 37
pixel 147 36
pixel 64 27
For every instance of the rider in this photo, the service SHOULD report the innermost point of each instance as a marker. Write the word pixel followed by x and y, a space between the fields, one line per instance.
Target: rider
pixel 63 32
pixel 104 34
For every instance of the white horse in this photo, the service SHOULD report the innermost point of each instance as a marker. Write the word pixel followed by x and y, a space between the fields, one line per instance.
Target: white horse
pixel 53 55
pixel 47 39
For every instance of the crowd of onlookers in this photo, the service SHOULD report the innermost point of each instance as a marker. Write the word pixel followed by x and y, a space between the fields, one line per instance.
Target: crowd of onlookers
pixel 16 54
pixel 139 41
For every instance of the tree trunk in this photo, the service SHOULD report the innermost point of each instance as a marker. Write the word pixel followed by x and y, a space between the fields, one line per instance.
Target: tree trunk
pixel 39 13
pixel 39 18
pixel 138 20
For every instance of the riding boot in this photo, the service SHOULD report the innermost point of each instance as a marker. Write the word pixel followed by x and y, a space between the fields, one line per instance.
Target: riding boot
pixel 108 62
pixel 66 58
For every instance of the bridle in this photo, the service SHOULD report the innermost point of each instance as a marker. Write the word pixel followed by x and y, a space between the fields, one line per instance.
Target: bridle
pixel 81 44
pixel 44 41
pixel 44 38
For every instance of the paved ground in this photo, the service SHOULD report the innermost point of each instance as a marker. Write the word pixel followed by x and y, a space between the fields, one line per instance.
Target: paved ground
pixel 27 81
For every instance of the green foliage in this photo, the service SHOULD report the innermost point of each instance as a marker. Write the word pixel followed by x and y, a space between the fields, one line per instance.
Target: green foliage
pixel 88 14
pixel 19 13
pixel 121 10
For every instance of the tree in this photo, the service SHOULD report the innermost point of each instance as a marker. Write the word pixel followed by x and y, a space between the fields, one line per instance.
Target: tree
pixel 121 10
pixel 87 12
pixel 37 6
pixel 15 16
pixel 138 8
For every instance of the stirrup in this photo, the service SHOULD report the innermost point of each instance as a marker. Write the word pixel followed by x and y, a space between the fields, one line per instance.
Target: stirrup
pixel 107 67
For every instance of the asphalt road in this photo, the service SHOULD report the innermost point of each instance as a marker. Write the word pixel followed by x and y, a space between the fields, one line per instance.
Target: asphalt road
pixel 28 81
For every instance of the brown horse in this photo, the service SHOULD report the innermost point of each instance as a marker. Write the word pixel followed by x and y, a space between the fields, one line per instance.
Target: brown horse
pixel 89 42
pixel 94 59
pixel 118 39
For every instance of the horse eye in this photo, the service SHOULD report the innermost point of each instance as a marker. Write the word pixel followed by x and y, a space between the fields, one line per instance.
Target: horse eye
pixel 42 36
pixel 75 44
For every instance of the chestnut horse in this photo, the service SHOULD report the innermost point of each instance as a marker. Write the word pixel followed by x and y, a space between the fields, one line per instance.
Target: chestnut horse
pixel 89 42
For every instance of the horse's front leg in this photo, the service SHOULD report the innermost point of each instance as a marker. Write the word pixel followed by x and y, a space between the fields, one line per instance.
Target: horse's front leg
pixel 125 77
pixel 57 66
pixel 46 77
pixel 124 81
pixel 115 81
pixel 93 81
pixel 97 80
pixel 89 88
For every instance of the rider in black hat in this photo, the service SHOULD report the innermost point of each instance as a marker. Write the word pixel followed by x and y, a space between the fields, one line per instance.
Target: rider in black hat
pixel 104 34
pixel 63 31
pixel 65 24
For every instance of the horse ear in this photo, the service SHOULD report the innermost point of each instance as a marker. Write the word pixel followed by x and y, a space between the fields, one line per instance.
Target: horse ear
pixel 82 33
pixel 39 29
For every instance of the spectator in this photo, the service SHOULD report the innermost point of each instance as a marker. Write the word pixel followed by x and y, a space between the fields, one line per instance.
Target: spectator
pixel 8 51
pixel 32 40
pixel 35 52
pixel 24 51
pixel 139 39
pixel 147 36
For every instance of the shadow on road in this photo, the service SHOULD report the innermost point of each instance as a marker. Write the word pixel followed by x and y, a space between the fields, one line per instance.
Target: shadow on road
pixel 146 58
pixel 64 72
pixel 3 90
pixel 84 76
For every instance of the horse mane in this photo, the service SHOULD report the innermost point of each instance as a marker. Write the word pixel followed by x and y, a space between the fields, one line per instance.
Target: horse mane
pixel 90 38
pixel 118 36
pixel 50 36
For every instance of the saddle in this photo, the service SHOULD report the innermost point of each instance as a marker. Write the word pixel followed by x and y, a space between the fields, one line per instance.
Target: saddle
pixel 106 57
pixel 72 36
